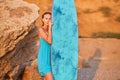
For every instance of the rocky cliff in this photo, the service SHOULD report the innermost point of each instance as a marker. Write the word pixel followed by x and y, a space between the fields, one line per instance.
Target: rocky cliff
pixel 18 37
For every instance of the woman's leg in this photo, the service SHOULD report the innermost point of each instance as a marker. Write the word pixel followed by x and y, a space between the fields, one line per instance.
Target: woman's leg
pixel 44 78
pixel 49 76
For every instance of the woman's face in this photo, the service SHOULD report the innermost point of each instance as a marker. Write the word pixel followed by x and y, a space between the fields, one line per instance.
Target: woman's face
pixel 46 19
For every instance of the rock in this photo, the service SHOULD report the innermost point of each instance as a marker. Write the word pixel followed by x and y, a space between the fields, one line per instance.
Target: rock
pixel 14 73
pixel 31 72
pixel 13 63
pixel 17 19
pixel 18 37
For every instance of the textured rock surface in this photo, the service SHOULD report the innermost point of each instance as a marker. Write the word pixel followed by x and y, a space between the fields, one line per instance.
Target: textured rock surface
pixel 16 20
pixel 31 72
pixel 18 37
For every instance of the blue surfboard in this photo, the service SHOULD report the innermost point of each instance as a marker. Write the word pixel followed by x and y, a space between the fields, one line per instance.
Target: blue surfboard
pixel 64 49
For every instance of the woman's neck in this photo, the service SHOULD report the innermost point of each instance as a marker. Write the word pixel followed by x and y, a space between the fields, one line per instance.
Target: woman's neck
pixel 45 27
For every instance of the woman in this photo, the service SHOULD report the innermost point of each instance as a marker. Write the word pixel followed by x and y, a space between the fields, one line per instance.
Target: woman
pixel 45 35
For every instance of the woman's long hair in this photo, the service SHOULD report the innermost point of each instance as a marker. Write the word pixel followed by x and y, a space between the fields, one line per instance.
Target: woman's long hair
pixel 44 15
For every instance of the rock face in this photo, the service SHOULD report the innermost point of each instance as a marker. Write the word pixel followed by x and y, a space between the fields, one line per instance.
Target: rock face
pixel 31 72
pixel 17 19
pixel 18 37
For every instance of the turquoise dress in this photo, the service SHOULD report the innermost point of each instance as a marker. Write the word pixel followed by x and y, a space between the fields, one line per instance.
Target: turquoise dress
pixel 44 63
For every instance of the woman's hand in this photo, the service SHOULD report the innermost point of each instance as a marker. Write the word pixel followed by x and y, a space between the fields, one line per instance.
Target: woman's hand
pixel 50 24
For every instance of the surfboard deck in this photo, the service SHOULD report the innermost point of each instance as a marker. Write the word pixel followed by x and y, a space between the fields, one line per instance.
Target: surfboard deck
pixel 64 48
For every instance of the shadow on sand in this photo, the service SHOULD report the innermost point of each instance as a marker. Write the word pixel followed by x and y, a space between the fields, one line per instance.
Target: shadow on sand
pixel 90 66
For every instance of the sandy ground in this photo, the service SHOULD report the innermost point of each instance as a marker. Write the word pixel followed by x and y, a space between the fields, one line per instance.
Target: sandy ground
pixel 99 59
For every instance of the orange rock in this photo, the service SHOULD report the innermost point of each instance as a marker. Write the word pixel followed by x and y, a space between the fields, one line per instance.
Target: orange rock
pixel 31 72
